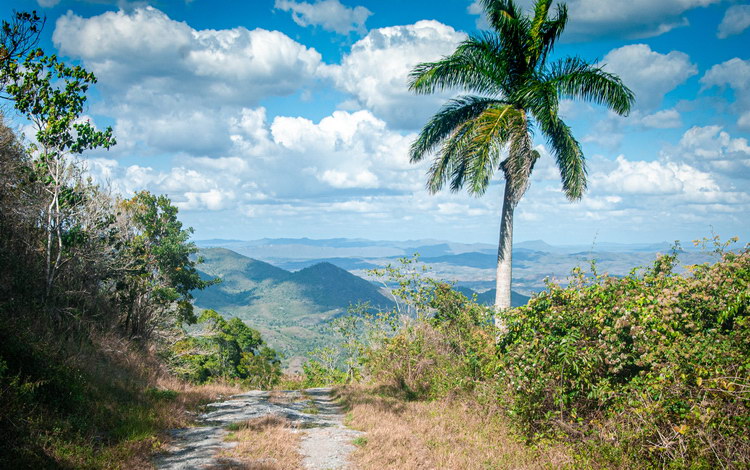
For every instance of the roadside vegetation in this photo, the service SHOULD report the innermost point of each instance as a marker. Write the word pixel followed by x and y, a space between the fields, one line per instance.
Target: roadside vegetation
pixel 95 289
pixel 650 370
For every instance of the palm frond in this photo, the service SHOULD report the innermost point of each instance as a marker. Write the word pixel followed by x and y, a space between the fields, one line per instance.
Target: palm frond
pixel 541 10
pixel 476 65
pixel 573 77
pixel 451 162
pixel 568 156
pixel 446 121
pixel 551 32
pixel 511 26
pixel 493 129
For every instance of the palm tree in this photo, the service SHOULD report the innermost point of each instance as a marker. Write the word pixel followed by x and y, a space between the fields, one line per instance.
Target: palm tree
pixel 515 92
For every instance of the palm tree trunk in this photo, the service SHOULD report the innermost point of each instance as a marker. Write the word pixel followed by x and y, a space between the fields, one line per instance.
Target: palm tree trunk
pixel 504 255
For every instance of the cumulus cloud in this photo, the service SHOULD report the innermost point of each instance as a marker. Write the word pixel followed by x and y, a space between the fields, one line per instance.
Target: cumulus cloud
pixel 331 15
pixel 148 53
pixel 288 158
pixel 375 71
pixel 633 19
pixel 174 88
pixel 712 149
pixel 734 73
pixel 654 178
pixel 648 73
pixel 664 119
pixel 736 20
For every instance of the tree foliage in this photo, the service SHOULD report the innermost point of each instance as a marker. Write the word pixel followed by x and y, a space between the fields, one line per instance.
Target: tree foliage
pixel 227 350
pixel 158 273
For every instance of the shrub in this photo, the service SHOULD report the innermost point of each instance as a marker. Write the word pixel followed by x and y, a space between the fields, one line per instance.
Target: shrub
pixel 658 363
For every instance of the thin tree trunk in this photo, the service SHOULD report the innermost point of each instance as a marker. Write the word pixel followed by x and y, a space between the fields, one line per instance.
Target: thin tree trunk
pixel 504 256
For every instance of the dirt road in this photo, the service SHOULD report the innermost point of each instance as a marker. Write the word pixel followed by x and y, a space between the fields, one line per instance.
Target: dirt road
pixel 325 442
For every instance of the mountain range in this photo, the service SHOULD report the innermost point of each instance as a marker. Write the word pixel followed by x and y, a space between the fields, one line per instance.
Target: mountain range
pixel 291 308
pixel 470 265
pixel 290 288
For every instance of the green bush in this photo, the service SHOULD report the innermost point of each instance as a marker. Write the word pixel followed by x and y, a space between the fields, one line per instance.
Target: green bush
pixel 321 369
pixel 648 370
pixel 448 352
pixel 228 350
pixel 657 363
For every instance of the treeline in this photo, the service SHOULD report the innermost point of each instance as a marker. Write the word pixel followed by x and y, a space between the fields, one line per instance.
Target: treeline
pixel 650 370
pixel 95 289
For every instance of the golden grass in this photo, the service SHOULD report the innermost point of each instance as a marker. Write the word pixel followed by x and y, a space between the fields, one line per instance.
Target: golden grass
pixel 445 434
pixel 266 443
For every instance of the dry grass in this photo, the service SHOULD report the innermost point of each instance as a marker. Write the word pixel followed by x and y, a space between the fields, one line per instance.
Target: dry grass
pixel 267 443
pixel 447 434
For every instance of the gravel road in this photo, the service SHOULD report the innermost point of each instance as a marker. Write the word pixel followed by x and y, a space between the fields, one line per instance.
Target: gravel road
pixel 325 443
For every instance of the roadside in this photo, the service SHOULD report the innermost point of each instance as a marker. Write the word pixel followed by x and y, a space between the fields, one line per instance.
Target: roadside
pixel 437 434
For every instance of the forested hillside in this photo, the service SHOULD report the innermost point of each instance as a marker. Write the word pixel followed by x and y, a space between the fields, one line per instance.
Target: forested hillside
pixel 291 309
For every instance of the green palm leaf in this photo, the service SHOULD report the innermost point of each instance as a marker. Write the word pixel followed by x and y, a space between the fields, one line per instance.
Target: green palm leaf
pixel 516 91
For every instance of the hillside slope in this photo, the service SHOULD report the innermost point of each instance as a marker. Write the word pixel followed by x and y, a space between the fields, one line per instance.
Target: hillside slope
pixel 289 308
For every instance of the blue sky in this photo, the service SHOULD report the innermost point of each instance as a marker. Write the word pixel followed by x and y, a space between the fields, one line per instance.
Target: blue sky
pixel 286 118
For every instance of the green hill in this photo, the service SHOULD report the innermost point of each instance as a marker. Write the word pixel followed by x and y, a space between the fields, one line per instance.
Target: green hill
pixel 289 308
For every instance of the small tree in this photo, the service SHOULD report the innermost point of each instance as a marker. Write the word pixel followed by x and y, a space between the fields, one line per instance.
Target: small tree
pixel 158 273
pixel 52 97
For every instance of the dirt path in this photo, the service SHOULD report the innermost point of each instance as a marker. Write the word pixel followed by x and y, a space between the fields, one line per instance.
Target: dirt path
pixel 326 442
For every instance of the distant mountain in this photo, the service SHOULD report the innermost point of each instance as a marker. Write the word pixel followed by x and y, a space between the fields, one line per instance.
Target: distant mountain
pixel 481 260
pixel 349 264
pixel 468 264
pixel 488 297
pixel 288 307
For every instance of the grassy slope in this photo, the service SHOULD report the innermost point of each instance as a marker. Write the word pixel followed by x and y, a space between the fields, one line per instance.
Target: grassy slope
pixel 447 433
pixel 71 402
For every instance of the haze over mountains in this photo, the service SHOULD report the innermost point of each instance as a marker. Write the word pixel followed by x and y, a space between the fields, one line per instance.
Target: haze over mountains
pixel 290 289
pixel 469 265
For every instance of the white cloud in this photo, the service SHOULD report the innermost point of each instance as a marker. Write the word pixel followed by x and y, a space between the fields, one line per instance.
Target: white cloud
pixel 289 158
pixel 148 54
pixel 607 132
pixel 47 3
pixel 736 20
pixel 376 70
pixel 212 200
pixel 624 19
pixel 712 149
pixel 174 88
pixel 347 150
pixel 649 74
pixel 664 119
pixel 654 178
pixel 734 73
pixel 331 15
pixel 631 19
